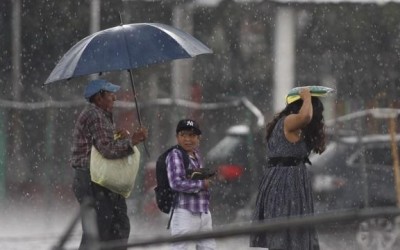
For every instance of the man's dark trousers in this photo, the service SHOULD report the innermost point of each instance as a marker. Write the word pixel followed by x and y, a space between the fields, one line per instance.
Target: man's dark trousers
pixel 111 210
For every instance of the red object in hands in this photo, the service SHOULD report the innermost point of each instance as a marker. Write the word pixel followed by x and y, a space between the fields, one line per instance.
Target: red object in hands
pixel 230 172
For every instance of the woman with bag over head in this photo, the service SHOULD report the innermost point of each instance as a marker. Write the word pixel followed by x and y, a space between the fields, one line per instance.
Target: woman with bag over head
pixel 285 189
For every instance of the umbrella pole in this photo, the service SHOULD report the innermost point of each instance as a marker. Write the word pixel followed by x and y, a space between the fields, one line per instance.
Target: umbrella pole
pixel 137 108
pixel 134 97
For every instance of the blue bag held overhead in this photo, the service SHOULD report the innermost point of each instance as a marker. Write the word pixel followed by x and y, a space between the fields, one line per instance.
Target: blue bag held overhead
pixel 165 196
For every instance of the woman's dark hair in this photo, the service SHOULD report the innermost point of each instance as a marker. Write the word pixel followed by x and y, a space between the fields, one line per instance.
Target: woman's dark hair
pixel 314 133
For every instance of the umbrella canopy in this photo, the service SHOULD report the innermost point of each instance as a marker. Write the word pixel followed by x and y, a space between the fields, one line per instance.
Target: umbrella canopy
pixel 126 47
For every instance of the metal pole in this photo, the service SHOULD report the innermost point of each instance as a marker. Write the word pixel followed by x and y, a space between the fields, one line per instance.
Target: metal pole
pixel 395 157
pixel 182 18
pixel 270 225
pixel 16 126
pixel 95 14
pixel 89 225
pixel 181 72
pixel 16 50
pixel 364 174
pixel 3 150
pixel 284 55
pixel 89 222
pixel 65 237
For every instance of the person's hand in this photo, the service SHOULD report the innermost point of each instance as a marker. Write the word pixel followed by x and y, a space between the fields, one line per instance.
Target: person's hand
pixel 139 136
pixel 305 93
pixel 121 134
pixel 207 183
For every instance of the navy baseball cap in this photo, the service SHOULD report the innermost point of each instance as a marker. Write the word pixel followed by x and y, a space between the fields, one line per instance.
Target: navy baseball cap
pixel 188 124
pixel 95 86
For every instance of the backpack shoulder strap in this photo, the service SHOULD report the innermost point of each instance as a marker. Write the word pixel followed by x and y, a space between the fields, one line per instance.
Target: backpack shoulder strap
pixel 186 162
pixel 185 155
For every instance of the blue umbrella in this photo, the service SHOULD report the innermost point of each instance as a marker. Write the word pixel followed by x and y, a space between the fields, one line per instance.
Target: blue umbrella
pixel 126 47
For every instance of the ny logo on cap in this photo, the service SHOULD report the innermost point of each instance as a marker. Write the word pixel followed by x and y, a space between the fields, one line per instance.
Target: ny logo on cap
pixel 189 123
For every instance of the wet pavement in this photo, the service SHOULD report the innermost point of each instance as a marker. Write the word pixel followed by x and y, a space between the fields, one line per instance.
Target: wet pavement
pixel 28 226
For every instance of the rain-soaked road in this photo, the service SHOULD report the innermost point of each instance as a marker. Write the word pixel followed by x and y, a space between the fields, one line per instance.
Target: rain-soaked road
pixel 28 226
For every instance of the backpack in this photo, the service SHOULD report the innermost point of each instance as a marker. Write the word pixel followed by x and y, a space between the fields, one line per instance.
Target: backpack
pixel 165 196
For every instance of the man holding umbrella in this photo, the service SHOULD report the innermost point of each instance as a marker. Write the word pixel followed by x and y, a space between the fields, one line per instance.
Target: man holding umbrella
pixel 95 127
